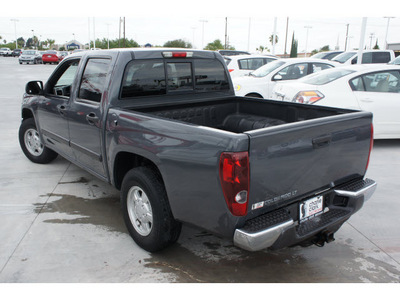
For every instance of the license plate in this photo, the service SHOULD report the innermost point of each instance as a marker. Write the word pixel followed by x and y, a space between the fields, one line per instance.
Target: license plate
pixel 311 208
pixel 49 56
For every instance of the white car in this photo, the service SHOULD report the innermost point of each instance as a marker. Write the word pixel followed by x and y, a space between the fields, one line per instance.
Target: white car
pixel 5 52
pixel 261 82
pixel 241 65
pixel 374 88
pixel 368 57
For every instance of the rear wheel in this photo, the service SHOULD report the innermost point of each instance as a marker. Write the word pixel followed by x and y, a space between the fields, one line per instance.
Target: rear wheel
pixel 146 210
pixel 31 143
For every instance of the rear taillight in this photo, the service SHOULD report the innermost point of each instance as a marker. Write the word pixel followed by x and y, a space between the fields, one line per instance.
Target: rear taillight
pixel 371 145
pixel 234 176
pixel 308 97
pixel 231 70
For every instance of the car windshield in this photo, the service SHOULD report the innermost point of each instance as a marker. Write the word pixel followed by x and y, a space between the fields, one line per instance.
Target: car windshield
pixel 343 57
pixel 396 61
pixel 268 68
pixel 28 52
pixel 326 76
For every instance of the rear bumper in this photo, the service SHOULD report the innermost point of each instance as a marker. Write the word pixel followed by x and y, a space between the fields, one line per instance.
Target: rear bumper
pixel 281 228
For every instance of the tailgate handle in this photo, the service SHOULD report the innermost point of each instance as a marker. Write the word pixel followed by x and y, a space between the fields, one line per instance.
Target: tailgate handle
pixel 322 141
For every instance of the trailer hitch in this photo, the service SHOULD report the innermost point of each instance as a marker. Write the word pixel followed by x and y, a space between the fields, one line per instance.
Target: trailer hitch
pixel 323 237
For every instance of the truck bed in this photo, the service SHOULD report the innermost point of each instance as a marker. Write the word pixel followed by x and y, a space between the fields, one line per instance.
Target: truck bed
pixel 239 115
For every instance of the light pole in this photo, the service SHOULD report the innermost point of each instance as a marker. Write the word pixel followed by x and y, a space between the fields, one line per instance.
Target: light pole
pixel 371 36
pixel 202 35
pixel 33 38
pixel 307 27
pixel 387 30
pixel 15 30
pixel 108 35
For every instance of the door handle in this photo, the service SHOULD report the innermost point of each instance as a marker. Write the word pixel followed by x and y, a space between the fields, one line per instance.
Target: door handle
pixel 92 118
pixel 367 100
pixel 322 141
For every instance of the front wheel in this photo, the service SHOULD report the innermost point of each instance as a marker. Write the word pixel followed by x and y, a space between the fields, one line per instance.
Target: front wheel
pixel 146 210
pixel 31 143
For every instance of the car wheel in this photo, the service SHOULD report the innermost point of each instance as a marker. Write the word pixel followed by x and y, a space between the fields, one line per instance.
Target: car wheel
pixel 31 143
pixel 146 210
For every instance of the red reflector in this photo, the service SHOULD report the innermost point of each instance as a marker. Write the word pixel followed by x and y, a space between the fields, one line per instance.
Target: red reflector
pixel 231 70
pixel 234 177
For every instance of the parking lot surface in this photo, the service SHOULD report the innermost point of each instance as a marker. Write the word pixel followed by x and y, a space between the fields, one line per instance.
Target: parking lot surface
pixel 60 224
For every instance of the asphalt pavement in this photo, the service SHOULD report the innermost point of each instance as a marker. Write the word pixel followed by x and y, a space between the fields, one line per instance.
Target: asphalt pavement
pixel 60 224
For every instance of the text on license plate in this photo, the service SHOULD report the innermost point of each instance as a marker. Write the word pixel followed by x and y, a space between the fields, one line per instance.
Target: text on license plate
pixel 310 208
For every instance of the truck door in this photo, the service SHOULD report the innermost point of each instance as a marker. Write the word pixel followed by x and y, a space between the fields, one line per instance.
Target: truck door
pixel 86 125
pixel 53 109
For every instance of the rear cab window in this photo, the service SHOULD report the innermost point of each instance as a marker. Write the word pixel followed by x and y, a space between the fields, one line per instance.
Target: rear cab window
pixel 152 77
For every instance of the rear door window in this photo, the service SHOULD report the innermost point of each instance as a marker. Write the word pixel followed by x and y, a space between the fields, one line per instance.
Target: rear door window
pixel 93 79
pixel 144 78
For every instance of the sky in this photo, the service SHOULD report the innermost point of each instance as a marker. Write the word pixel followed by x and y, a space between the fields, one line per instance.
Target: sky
pixel 249 23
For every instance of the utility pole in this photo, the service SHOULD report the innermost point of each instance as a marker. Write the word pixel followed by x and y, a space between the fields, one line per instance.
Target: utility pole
pixel 124 32
pixel 226 31
pixel 387 30
pixel 347 36
pixel 307 27
pixel 89 31
pixel 15 30
pixel 362 38
pixel 202 35
pixel 94 35
pixel 287 26
pixel 248 36
pixel 274 36
pixel 119 33
pixel 371 36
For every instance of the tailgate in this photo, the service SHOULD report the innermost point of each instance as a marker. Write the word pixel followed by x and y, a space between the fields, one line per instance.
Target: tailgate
pixel 293 161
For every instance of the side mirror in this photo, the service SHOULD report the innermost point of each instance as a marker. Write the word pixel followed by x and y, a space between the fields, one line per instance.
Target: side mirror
pixel 277 77
pixel 34 88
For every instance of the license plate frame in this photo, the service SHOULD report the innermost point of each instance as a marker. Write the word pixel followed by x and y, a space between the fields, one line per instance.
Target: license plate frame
pixel 311 208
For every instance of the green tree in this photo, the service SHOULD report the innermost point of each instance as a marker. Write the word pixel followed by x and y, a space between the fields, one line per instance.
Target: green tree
pixel 271 39
pixel 324 48
pixel 216 45
pixel 376 45
pixel 178 44
pixel 293 49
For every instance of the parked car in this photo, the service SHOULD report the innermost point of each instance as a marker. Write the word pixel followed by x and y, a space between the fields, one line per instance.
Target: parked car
pixel 374 88
pixel 51 57
pixel 232 52
pixel 369 57
pixel 16 52
pixel 395 61
pixel 329 55
pixel 30 56
pixel 240 65
pixel 63 54
pixel 261 82
pixel 5 51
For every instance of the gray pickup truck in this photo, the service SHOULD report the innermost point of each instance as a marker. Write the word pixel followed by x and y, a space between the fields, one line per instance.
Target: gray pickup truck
pixel 165 128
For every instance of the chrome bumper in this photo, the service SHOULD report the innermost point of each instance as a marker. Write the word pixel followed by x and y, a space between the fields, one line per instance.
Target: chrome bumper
pixel 265 238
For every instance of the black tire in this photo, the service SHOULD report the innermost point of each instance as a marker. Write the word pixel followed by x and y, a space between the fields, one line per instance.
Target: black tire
pixel 162 230
pixel 254 95
pixel 31 145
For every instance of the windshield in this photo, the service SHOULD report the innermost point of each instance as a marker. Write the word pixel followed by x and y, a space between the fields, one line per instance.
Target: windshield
pixel 344 57
pixel 268 68
pixel 326 76
pixel 396 61
pixel 28 53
